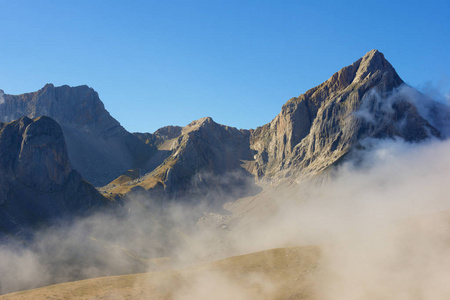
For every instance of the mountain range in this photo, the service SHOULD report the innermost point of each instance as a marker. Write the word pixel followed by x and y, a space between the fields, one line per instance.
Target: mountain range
pixel 59 142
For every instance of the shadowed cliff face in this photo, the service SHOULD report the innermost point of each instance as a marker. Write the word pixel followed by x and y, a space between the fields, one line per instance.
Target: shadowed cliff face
pixel 98 146
pixel 43 162
pixel 37 182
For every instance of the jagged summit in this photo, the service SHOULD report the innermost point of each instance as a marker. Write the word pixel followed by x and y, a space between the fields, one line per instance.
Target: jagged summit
pixel 372 69
pixel 49 86
pixel 373 64
pixel 198 123
pixel 320 126
pixel 169 132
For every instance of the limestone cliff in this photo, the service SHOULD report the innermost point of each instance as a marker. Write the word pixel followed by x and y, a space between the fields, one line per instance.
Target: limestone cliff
pixel 37 182
pixel 315 129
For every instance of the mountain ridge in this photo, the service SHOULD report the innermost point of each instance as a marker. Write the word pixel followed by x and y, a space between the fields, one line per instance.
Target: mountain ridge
pixel 315 129
pixel 312 132
pixel 99 147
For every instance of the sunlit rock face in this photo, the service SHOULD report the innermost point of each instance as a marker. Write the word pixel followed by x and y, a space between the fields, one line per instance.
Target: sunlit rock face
pixel 37 181
pixel 317 128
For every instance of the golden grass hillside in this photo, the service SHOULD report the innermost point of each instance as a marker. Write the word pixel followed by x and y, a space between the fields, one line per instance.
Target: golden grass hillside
pixel 284 273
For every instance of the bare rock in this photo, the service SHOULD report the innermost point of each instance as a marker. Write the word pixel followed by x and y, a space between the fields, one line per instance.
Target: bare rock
pixel 317 128
pixel 98 146
pixel 37 182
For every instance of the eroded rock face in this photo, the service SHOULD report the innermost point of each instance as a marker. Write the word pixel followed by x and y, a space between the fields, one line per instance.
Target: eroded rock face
pixel 37 182
pixel 320 126
pixel 98 146
pixel 205 150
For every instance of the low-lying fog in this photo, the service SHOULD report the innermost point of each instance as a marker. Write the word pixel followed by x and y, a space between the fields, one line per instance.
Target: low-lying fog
pixel 381 219
pixel 376 219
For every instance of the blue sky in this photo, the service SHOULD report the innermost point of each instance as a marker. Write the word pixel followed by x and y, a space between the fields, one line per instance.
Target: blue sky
pixel 157 63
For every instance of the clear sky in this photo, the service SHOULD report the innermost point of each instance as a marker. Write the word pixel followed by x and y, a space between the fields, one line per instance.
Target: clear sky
pixel 163 62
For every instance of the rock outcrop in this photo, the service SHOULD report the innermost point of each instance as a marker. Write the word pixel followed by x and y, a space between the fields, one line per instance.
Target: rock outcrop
pixel 37 182
pixel 98 146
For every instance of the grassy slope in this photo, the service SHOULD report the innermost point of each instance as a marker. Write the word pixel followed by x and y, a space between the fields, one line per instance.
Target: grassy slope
pixel 285 273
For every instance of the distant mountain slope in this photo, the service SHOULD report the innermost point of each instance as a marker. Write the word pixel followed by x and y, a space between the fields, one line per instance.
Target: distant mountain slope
pixel 99 147
pixel 200 159
pixel 160 136
pixel 37 182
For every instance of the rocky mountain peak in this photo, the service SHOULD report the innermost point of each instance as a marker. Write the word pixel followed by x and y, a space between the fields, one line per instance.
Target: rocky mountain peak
pixel 195 125
pixel 372 63
pixel 48 86
pixel 69 106
pixel 200 122
pixel 372 68
pixel 316 128
pixel 169 132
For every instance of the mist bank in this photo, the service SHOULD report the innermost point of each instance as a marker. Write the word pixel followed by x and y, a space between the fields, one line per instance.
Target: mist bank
pixel 381 220
pixel 371 216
